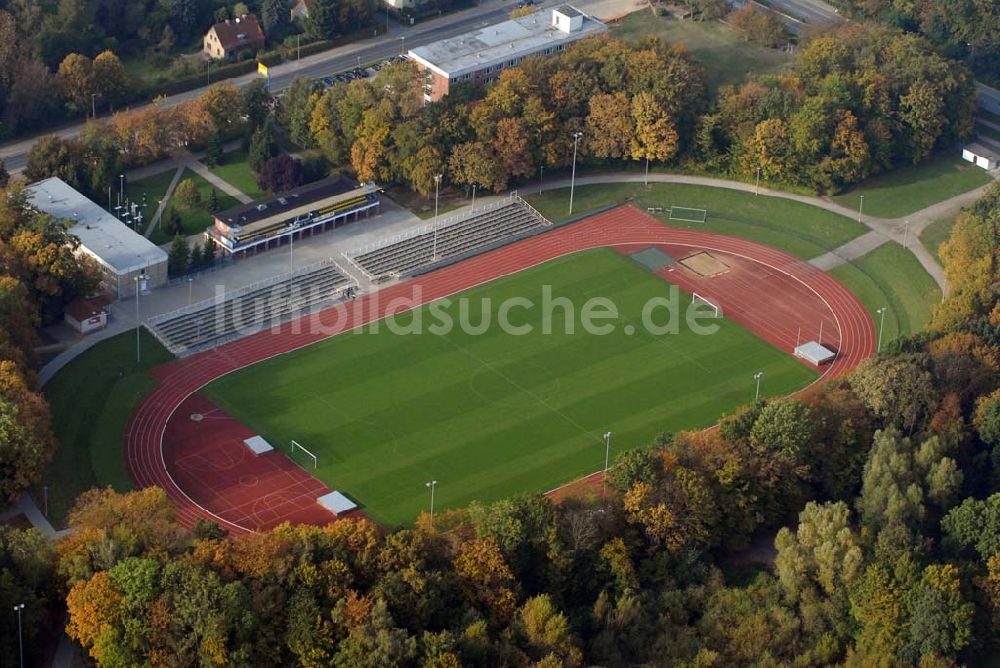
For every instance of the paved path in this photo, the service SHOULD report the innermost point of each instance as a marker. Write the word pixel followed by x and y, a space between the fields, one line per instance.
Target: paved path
pixel 220 183
pixel 852 250
pixel 162 205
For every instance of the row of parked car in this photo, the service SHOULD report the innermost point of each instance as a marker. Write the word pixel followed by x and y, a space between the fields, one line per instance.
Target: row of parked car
pixel 358 72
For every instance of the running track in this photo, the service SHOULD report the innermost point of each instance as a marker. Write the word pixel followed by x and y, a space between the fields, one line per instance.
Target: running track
pixel 621 227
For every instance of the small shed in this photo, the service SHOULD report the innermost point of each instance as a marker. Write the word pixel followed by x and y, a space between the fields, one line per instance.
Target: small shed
pixel 981 155
pixel 87 315
pixel 336 503
pixel 815 353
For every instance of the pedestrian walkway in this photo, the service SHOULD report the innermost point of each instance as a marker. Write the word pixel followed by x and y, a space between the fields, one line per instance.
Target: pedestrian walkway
pixel 852 250
pixel 225 186
pixel 162 205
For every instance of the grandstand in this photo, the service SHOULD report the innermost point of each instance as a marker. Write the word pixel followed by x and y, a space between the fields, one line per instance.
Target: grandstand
pixel 496 224
pixel 249 308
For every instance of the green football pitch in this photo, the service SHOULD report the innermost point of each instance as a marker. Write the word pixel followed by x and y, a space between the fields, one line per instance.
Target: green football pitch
pixel 495 414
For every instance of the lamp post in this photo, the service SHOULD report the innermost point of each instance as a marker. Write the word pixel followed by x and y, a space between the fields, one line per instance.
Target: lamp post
pixel 138 323
pixel 190 280
pixel 881 323
pixel 437 192
pixel 209 71
pixel 756 187
pixel 93 105
pixel 861 206
pixel 757 376
pixel 20 641
pixel 645 180
pixel 541 178
pixel 473 197
pixel 402 44
pixel 607 460
pixel 431 485
pixel 572 181
pixel 298 47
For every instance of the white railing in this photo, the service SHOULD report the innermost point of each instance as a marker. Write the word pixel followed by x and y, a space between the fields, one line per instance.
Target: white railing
pixel 429 228
pixel 241 291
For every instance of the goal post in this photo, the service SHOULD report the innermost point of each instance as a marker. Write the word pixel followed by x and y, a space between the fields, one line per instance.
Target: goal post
pixel 688 214
pixel 295 445
pixel 698 299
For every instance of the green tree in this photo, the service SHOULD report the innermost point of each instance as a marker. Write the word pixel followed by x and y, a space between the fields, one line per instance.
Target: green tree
pixel 782 427
pixel 254 104
pixel 208 253
pixel 188 195
pixel 213 150
pixel 632 466
pixel 197 258
pixel 898 389
pixel 262 147
pixel 274 15
pixel 213 201
pixel 177 257
pixel 974 524
pixel 823 554
pixel 110 81
pixel 940 618
pixel 75 79
pixel 322 21
pixel 296 111
pixel 4 175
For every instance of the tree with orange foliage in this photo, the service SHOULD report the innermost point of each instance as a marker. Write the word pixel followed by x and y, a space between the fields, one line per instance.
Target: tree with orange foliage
pixel 486 580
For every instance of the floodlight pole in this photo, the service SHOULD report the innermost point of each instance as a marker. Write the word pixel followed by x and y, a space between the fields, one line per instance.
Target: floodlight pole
pixel 437 192
pixel 20 639
pixel 572 181
pixel 861 206
pixel 431 485
pixel 646 180
pixel 138 323
pixel 757 377
pixel 402 44
pixel 473 198
pixel 541 178
pixel 756 187
pixel 881 323
pixel 190 280
pixel 607 460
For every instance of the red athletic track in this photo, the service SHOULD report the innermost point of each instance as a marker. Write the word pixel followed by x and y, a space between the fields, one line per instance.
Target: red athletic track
pixel 623 226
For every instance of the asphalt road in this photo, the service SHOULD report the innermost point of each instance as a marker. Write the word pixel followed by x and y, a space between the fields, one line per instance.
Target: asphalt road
pixel 811 12
pixel 323 64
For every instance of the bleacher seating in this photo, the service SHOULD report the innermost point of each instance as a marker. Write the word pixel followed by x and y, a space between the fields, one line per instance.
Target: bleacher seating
pixel 462 237
pixel 248 309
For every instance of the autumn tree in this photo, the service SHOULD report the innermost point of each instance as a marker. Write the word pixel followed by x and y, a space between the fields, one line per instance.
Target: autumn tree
pixel 75 79
pixel 188 195
pixel 280 174
pixel 109 78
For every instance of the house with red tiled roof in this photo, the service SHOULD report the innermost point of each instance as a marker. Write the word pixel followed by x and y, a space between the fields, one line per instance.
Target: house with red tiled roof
pixel 227 38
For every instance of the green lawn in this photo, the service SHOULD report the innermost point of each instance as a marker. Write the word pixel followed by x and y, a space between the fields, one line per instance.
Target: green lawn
pixel 148 192
pixel 194 221
pixel 890 276
pixel 492 415
pixel 902 191
pixel 236 170
pixel 936 234
pixel 800 229
pixel 89 424
pixel 727 58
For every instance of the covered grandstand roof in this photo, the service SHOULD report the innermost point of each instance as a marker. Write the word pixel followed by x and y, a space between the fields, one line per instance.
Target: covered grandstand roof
pixel 287 201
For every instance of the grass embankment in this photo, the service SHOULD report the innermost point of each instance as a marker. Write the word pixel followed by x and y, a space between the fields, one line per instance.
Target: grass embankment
pixel 891 276
pixel 908 189
pixel 800 229
pixel 92 398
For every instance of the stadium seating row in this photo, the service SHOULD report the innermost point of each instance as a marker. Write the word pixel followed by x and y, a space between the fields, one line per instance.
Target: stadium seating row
pixel 477 231
pixel 249 309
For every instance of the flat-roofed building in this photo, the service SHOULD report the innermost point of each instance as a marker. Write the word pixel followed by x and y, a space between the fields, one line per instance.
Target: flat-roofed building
pixel 122 254
pixel 480 55
pixel 304 211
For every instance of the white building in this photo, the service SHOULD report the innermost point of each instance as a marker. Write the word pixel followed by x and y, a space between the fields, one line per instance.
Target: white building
pixel 122 254
pixel 480 55
pixel 981 155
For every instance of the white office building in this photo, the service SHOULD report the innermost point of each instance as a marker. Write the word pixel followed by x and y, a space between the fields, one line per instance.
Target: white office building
pixel 122 254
